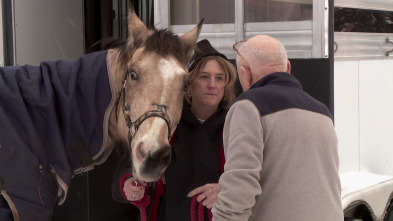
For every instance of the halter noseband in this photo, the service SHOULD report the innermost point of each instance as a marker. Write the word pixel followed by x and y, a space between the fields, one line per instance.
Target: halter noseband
pixel 134 125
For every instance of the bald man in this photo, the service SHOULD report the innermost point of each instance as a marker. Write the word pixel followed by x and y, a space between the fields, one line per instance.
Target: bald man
pixel 280 145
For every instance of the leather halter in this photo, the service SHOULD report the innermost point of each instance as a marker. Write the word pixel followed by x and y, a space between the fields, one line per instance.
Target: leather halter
pixel 133 126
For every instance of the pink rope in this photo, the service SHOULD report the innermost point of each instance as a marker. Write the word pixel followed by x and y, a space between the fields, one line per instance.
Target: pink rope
pixel 201 210
pixel 142 204
pixel 201 214
pixel 193 210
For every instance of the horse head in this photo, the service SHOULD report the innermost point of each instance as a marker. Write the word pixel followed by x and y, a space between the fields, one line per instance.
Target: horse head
pixel 153 73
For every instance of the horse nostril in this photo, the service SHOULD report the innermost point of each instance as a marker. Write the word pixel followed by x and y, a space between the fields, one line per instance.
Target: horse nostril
pixel 156 162
pixel 140 151
pixel 162 153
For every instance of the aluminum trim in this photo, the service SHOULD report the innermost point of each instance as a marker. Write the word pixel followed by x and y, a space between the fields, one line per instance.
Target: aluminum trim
pixel 384 5
pixel 355 45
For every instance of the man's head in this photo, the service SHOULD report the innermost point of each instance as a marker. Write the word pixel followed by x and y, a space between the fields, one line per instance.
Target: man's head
pixel 259 56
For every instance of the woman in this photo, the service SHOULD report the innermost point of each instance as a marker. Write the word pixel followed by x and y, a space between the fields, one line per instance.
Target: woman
pixel 198 158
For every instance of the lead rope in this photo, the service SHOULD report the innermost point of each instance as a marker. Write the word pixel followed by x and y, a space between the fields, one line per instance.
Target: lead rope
pixel 142 211
pixel 142 204
pixel 201 210
pixel 201 214
pixel 192 210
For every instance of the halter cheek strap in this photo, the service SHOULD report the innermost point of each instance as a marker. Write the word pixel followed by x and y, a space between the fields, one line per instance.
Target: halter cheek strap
pixel 133 126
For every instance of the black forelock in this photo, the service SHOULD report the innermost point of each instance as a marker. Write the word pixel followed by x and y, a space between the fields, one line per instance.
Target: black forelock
pixel 161 42
pixel 164 43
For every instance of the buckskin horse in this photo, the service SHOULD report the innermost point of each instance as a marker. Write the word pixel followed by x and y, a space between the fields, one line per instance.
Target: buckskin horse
pixel 63 117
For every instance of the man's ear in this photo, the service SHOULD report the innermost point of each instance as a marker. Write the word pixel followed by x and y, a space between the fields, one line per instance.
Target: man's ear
pixel 288 66
pixel 247 76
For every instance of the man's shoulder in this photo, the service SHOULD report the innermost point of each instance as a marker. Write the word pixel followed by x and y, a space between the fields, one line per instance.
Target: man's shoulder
pixel 273 98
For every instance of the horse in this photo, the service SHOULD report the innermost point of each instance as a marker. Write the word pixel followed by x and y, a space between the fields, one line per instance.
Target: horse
pixel 64 117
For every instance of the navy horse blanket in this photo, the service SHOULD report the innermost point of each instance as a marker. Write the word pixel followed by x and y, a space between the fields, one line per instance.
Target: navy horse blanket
pixel 49 113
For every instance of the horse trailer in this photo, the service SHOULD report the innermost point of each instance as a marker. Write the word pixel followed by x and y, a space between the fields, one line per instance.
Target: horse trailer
pixel 340 50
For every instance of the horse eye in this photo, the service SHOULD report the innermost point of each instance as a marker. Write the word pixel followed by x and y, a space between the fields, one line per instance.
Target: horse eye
pixel 134 76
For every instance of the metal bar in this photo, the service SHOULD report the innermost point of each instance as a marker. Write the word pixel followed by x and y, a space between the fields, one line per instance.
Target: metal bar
pixel 239 20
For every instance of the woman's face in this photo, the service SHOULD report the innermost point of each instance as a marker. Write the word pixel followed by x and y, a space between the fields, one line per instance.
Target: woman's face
pixel 207 89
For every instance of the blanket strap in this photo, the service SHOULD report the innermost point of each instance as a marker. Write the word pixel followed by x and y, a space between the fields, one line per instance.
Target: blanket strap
pixel 83 154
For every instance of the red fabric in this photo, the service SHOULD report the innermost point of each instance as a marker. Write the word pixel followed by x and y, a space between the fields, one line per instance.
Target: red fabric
pixel 173 136
pixel 210 215
pixel 222 155
pixel 159 190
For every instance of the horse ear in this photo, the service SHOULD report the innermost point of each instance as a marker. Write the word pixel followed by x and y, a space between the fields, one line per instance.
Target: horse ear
pixel 136 28
pixel 190 38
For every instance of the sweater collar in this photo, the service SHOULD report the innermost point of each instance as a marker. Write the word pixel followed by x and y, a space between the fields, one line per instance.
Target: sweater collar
pixel 278 78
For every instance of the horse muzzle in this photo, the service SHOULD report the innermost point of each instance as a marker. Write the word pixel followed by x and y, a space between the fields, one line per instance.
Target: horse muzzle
pixel 152 163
